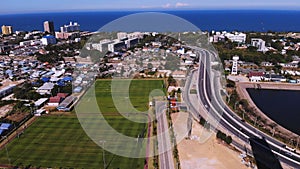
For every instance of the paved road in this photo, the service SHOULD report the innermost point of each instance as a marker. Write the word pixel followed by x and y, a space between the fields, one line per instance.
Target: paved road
pixel 163 136
pixel 211 99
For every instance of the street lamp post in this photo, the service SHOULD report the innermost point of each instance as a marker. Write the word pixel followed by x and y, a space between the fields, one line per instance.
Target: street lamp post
pixel 235 105
pixel 103 153
pixel 273 132
pixel 255 121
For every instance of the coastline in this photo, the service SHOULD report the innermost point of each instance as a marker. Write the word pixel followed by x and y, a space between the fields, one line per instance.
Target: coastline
pixel 93 20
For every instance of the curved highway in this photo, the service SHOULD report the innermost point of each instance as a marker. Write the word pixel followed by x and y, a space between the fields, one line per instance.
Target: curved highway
pixel 211 99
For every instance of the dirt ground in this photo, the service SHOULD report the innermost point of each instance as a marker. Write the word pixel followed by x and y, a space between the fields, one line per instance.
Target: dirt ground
pixel 209 154
pixel 17 117
pixel 5 109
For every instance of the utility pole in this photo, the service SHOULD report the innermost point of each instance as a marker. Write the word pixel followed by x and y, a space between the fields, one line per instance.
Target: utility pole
pixel 235 105
pixel 228 98
pixel 189 125
pixel 243 114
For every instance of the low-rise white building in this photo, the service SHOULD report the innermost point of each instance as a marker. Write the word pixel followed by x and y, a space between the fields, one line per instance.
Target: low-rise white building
pixel 293 64
pixel 45 89
pixel 179 74
pixel 255 79
pixel 266 64
pixel 236 37
pixel 121 35
pixel 49 39
pixel 30 43
pixel 39 103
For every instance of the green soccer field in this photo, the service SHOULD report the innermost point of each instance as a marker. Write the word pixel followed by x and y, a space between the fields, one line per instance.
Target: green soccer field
pixel 138 94
pixel 59 141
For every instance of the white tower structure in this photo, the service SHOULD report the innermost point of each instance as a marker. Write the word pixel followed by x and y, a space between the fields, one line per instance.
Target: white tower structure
pixel 234 69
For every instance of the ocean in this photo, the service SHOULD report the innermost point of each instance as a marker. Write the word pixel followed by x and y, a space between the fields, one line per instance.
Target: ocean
pixel 207 20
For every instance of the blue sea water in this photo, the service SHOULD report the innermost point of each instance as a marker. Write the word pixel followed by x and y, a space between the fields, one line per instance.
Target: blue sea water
pixel 241 20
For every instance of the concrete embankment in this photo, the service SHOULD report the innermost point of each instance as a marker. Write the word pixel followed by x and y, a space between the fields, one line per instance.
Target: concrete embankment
pixel 270 85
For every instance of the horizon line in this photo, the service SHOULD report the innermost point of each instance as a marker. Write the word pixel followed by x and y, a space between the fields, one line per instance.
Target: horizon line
pixel 143 10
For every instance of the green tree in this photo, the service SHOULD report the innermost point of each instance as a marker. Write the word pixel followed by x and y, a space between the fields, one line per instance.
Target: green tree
pixel 26 92
pixel 221 135
pixel 244 103
pixel 277 45
pixel 150 65
pixel 171 81
pixel 228 140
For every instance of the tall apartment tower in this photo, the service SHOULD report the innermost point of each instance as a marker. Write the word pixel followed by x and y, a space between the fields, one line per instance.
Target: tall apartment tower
pixel 72 27
pixel 7 30
pixel 234 70
pixel 49 27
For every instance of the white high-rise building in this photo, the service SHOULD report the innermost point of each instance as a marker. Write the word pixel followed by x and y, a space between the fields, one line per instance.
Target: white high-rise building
pixel 116 46
pixel 72 27
pixel 131 42
pixel 259 43
pixel 234 70
pixel 102 45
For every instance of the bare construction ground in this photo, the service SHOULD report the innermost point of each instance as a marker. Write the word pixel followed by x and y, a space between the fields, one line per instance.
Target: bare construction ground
pixel 212 154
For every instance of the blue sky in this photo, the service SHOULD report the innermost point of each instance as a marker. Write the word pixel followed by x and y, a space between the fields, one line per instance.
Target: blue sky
pixel 20 6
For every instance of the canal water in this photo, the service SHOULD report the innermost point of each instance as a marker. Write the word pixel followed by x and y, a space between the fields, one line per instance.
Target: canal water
pixel 282 106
